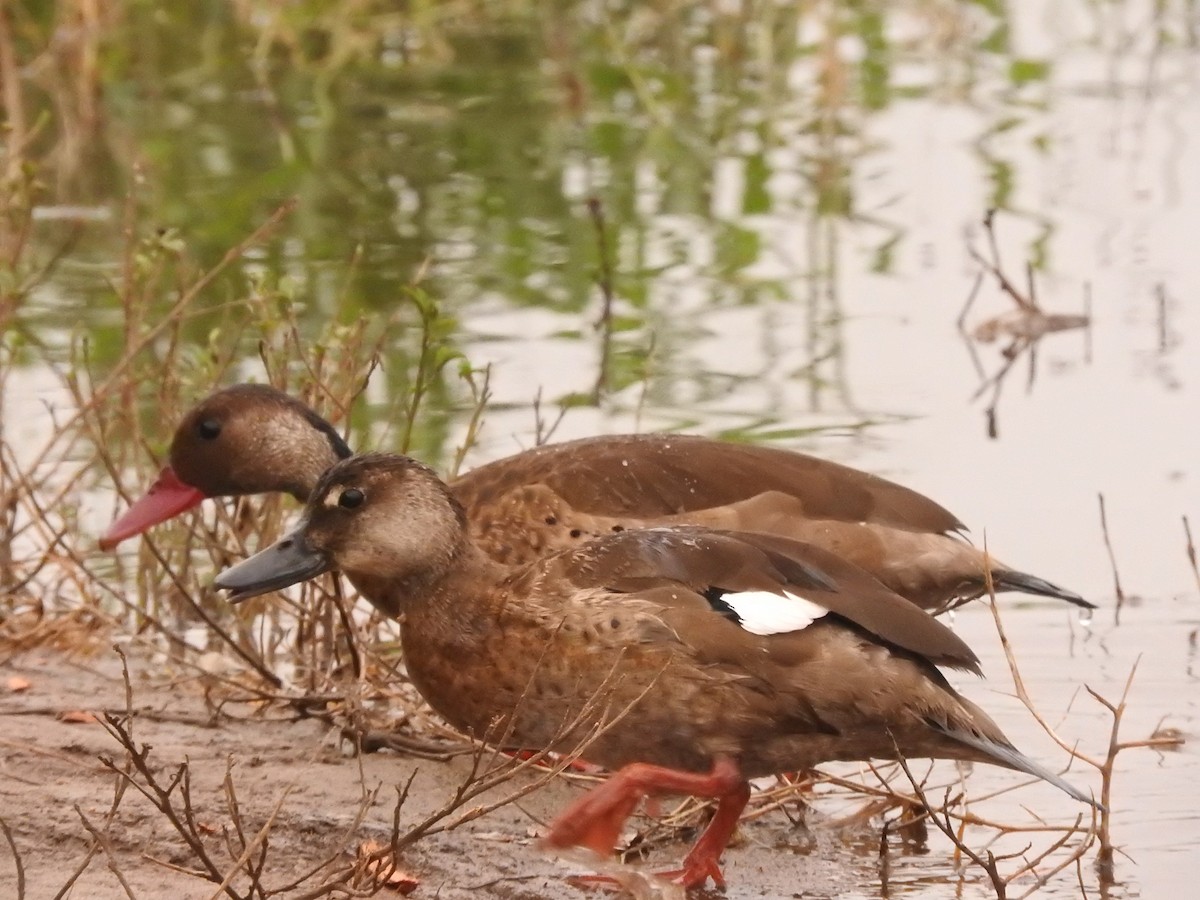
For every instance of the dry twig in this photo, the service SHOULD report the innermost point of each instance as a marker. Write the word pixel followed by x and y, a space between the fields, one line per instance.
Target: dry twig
pixel 17 864
pixel 1112 560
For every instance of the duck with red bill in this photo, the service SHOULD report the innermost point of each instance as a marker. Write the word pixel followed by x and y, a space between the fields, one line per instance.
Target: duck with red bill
pixel 166 498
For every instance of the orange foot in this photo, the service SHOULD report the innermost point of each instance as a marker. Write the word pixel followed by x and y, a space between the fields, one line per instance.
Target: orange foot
pixel 595 819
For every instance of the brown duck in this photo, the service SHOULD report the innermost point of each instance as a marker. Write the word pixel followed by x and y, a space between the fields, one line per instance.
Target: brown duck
pixel 250 439
pixel 691 659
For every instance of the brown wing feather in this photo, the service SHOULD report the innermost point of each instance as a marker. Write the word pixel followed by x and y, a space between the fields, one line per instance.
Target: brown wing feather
pixel 699 559
pixel 648 475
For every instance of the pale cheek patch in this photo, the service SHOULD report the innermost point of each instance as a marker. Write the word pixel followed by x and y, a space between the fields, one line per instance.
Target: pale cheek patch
pixel 332 499
pixel 763 613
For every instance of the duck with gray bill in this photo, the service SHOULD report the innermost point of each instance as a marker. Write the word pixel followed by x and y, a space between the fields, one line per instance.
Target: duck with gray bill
pixel 690 659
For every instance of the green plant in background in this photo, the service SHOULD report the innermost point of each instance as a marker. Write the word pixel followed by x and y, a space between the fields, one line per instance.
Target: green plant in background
pixel 435 353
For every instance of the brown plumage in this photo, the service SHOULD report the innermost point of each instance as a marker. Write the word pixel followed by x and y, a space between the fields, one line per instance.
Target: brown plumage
pixel 250 439
pixel 699 657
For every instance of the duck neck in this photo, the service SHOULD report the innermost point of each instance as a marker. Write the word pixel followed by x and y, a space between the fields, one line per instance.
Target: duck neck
pixel 459 608
pixel 295 451
pixel 311 465
pixel 328 448
pixel 445 597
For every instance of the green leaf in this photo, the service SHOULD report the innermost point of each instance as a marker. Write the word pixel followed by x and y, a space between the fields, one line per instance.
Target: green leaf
pixel 1024 71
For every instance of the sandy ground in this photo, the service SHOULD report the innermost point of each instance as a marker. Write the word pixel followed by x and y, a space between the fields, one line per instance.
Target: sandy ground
pixel 50 772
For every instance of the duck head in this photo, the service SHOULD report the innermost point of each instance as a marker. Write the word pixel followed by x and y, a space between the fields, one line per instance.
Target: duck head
pixel 244 439
pixel 386 521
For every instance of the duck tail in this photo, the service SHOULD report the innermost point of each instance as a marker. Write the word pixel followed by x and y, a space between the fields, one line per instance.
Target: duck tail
pixel 1011 580
pixel 1011 757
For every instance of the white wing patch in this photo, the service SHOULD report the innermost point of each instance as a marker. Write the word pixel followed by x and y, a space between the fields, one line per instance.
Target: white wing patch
pixel 762 612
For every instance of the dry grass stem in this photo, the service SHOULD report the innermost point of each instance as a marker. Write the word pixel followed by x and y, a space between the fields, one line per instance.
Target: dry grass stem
pixel 101 840
pixel 604 279
pixel 543 430
pixel 1191 551
pixel 1112 561
pixel 938 816
pixel 18 865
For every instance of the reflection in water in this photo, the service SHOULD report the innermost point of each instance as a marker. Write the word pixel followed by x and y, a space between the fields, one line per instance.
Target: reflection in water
pixel 1025 326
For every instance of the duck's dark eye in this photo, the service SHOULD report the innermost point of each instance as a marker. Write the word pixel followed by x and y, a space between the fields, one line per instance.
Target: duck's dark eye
pixel 350 498
pixel 209 429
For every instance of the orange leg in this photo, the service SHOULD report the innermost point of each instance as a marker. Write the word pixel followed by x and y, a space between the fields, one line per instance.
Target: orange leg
pixel 548 761
pixel 595 819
